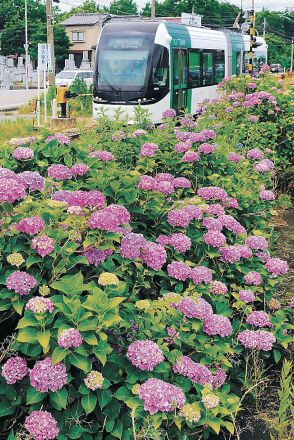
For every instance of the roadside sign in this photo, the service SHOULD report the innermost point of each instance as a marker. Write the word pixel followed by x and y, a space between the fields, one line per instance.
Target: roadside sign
pixel 49 58
pixel 42 56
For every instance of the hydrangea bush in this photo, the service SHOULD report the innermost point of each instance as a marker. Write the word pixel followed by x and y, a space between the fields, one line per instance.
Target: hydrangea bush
pixel 139 272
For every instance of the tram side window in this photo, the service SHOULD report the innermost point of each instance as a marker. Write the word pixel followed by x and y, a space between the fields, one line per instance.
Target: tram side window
pixel 160 69
pixel 208 70
pixel 194 72
pixel 219 66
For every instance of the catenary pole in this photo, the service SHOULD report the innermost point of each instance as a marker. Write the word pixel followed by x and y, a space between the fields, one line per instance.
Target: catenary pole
pixel 50 40
pixel 251 32
pixel 152 9
pixel 26 46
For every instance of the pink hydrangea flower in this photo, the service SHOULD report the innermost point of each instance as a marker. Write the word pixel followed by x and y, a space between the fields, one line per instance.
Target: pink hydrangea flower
pixel 191 156
pixel 110 218
pixel 104 156
pixel 253 118
pixel 260 339
pixel 146 183
pixel 195 308
pixel 255 154
pixel 96 256
pixel 230 254
pixel 214 238
pixel 38 304
pixel 259 319
pixel 31 225
pixel 217 325
pixel 276 266
pixel 138 133
pixel 41 425
pixel 182 147
pixel 264 166
pixel 253 278
pixel 212 192
pixel 11 190
pixel 179 270
pixel 181 182
pixel 206 148
pixel 32 180
pixel 178 241
pixel 231 202
pixel 178 217
pixel 291 303
pixel 195 372
pixel 59 172
pixel 84 199
pixel 218 288
pixel 232 224
pixel 118 136
pixel 14 369
pixel 160 396
pixel 132 245
pixel 212 224
pixel 148 149
pixel 169 113
pixel 163 187
pixel 21 282
pixel 274 304
pixel 267 195
pixel 234 157
pixel 164 177
pixel 251 85
pixel 45 376
pixel 257 242
pixel 215 209
pixel 43 245
pixel 154 255
pixel 59 137
pixel 70 338
pixel 201 274
pixel 247 296
pixel 79 169
pixel 23 153
pixel 145 355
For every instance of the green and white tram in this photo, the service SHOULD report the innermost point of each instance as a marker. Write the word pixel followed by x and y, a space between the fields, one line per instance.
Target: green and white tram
pixel 161 65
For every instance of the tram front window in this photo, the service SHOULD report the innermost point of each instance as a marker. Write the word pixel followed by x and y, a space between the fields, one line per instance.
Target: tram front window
pixel 123 68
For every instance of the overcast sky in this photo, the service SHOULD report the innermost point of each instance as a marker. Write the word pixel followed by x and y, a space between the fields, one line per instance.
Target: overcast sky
pixel 274 5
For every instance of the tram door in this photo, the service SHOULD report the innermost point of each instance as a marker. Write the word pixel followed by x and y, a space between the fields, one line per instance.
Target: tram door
pixel 180 79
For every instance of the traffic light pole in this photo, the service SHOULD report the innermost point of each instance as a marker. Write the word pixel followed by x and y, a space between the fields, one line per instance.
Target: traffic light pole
pixel 251 30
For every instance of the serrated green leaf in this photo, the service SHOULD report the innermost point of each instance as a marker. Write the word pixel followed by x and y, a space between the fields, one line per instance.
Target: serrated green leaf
pixel 104 397
pixel 80 362
pixel 34 396
pixel 89 402
pixel 59 398
pixel 59 353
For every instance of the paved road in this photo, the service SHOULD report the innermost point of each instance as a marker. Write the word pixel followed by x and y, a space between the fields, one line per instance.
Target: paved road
pixel 11 99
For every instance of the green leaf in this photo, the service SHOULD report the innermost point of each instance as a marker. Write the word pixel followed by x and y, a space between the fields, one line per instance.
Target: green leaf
pixel 32 259
pixel 80 362
pixel 70 284
pixel 118 429
pixel 59 398
pixel 277 356
pixel 89 402
pixel 229 426
pixel 27 335
pixel 11 436
pixel 58 355
pixel 34 396
pixel 123 393
pixel 75 432
pixel 27 321
pixel 215 425
pixel 104 397
pixel 91 339
pixel 18 306
pixel 6 409
pixel 44 339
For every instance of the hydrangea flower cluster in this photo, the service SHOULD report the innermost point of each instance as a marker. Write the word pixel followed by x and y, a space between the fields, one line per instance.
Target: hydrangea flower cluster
pixel 38 304
pixel 21 282
pixel 132 245
pixel 148 149
pixel 79 169
pixel 139 132
pixel 234 157
pixel 178 241
pixel 195 372
pixel 110 218
pixel 32 180
pixel 230 254
pixel 260 339
pixel 70 338
pixel 169 113
pixel 267 194
pixel 194 308
pixel 214 238
pixel 276 266
pixel 218 288
pixel 104 156
pixel 232 224
pixel 154 255
pixel 61 138
pixel 257 242
pixel 217 325
pixel 210 401
pixel 94 380
pixel 201 274
pixel 59 172
pixel 145 355
pixel 41 425
pixel 191 157
pixel 259 319
pixel 247 296
pixel 31 225
pixel 159 395
pixel 264 166
pixel 45 376
pixel 43 245
pixel 96 256
pixel 14 369
pixel 11 190
pixel 118 136
pixel 163 182
pixel 84 199
pixel 206 148
pixel 191 412
pixel 212 192
pixel 108 279
pixel 15 259
pixel 179 270
pixel 182 147
pixel 212 224
pixel 183 216
pixel 253 278
pixel 255 154
pixel 23 153
pixel 17 142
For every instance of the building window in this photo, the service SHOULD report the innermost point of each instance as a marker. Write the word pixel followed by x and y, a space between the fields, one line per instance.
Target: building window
pixel 194 73
pixel 78 36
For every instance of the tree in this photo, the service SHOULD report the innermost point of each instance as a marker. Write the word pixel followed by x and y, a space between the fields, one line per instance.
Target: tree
pixel 89 6
pixel 279 52
pixel 13 10
pixel 123 7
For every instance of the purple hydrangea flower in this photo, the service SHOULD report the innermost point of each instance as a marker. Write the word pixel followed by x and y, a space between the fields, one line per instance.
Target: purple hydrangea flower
pixel 45 376
pixel 160 396
pixel 21 282
pixel 41 425
pixel 14 369
pixel 145 355
pixel 217 325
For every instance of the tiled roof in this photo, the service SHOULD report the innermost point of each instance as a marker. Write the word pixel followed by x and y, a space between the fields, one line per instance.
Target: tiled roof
pixel 84 19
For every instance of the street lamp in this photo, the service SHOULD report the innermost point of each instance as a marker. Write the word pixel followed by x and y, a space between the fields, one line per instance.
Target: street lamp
pixel 26 45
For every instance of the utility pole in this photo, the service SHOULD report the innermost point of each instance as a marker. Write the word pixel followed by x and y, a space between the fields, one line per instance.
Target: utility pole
pixel 264 27
pixel 26 45
pixel 152 9
pixel 292 53
pixel 251 31
pixel 50 40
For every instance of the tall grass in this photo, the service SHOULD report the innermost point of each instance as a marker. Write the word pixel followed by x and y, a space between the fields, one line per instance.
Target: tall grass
pixel 15 128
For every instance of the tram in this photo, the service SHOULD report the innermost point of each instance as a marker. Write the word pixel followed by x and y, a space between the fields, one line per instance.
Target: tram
pixel 161 65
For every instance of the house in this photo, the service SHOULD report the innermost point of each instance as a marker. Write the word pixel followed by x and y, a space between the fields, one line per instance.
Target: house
pixel 83 31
